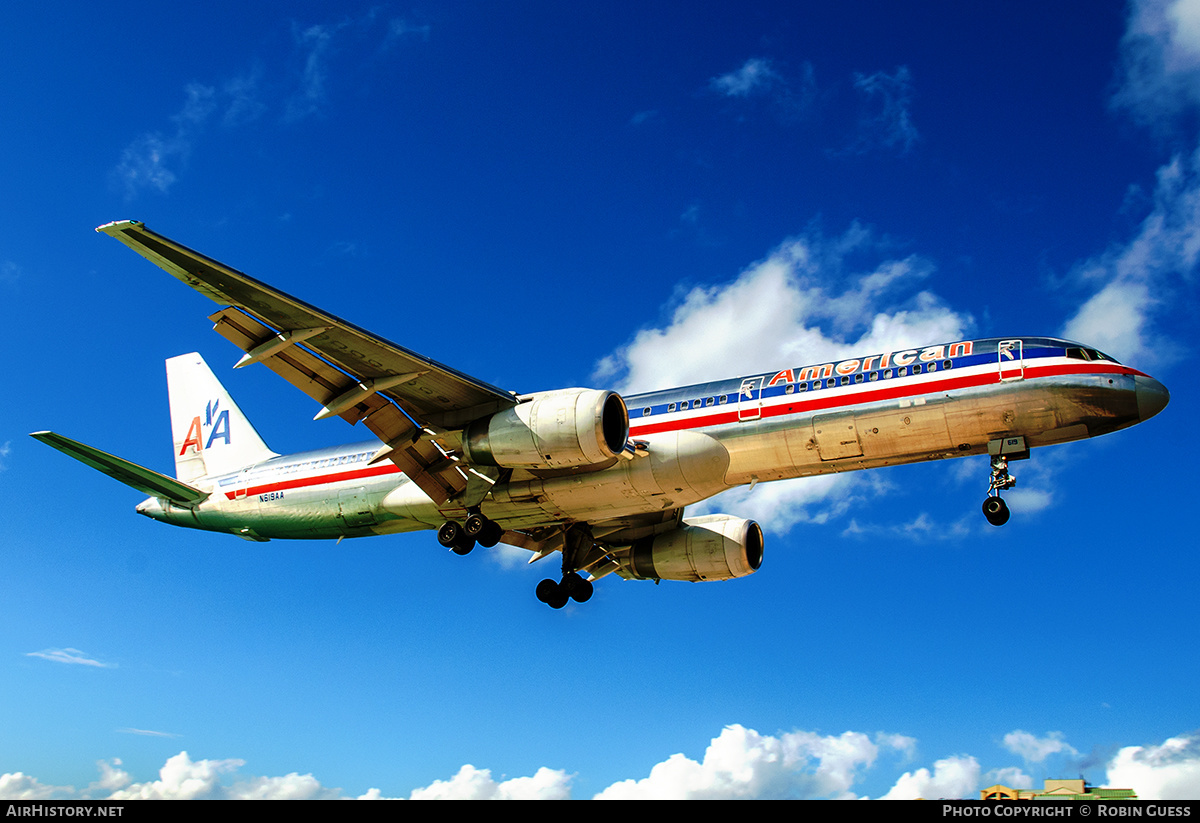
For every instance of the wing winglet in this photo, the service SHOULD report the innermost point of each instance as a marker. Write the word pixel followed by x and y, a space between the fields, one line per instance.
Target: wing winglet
pixel 144 480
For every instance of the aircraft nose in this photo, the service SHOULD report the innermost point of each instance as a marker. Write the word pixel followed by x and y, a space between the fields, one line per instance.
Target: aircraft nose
pixel 1152 396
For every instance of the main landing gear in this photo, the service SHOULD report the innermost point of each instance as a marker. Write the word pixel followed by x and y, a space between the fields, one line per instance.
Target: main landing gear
pixel 573 586
pixel 577 543
pixel 461 538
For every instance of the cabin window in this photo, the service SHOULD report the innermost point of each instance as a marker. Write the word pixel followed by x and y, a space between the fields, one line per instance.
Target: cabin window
pixel 646 412
pixel 845 380
pixel 708 401
pixel 902 371
pixel 670 407
pixel 874 376
pixel 916 368
pixel 858 378
pixel 946 364
pixel 683 405
pixel 803 387
pixel 789 389
pixel 724 399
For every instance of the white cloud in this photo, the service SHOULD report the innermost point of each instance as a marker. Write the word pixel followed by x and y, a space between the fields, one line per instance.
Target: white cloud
pixel 1167 772
pixel 5 451
pixel 146 732
pixel 755 75
pixel 1010 776
pixel 1160 61
pixel 796 307
pixel 1134 280
pixel 182 778
pixel 740 763
pixel 154 160
pixel 1036 749
pixel 20 786
pixel 148 162
pixel 783 311
pixel 477 784
pixel 886 119
pixel 72 656
pixel 953 777
pixel 743 764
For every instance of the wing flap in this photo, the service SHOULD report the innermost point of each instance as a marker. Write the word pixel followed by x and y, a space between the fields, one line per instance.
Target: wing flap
pixel 144 480
pixel 323 383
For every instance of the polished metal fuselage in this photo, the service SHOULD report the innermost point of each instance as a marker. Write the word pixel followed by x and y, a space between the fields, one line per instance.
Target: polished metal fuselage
pixel 898 407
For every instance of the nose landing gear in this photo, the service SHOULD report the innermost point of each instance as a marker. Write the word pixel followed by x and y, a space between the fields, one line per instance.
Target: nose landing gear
pixel 1002 450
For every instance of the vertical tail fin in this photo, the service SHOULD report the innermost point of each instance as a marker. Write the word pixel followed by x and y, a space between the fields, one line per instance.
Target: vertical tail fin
pixel 211 434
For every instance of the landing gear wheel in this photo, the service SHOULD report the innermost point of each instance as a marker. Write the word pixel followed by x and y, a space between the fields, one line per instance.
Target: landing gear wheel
pixel 552 594
pixel 545 590
pixel 452 536
pixel 475 524
pixel 996 511
pixel 487 532
pixel 491 534
pixel 579 589
pixel 449 534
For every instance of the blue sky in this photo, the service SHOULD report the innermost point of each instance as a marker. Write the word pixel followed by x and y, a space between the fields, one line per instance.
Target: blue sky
pixel 624 196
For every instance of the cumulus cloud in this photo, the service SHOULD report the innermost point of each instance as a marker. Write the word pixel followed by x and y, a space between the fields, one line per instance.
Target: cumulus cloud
pixel 794 308
pixel 1036 749
pixel 477 784
pixel 71 656
pixel 20 786
pixel 1167 772
pixel 182 778
pixel 803 304
pixel 953 777
pixel 742 764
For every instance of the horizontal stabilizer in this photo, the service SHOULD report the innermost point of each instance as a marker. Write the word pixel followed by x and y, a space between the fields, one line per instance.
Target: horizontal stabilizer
pixel 144 480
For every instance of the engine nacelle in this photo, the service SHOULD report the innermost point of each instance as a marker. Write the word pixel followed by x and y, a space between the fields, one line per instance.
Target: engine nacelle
pixel 714 547
pixel 554 430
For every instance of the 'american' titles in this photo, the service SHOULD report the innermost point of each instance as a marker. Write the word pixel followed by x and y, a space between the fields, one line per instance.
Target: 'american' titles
pixel 875 361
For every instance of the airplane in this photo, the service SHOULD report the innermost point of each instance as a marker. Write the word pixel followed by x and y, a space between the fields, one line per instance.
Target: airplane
pixel 600 478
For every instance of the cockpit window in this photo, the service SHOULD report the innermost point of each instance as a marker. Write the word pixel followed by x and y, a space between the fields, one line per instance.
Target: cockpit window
pixel 1080 353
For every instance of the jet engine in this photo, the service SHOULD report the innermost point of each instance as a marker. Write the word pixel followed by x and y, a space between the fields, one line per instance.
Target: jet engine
pixel 714 547
pixel 552 430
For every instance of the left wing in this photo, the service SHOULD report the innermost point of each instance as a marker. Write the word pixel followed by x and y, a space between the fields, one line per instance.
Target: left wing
pixel 406 399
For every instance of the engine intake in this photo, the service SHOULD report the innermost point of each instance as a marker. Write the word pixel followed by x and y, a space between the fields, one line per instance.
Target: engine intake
pixel 714 547
pixel 557 429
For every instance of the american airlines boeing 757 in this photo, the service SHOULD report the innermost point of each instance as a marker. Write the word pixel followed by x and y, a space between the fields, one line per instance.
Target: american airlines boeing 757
pixel 599 478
